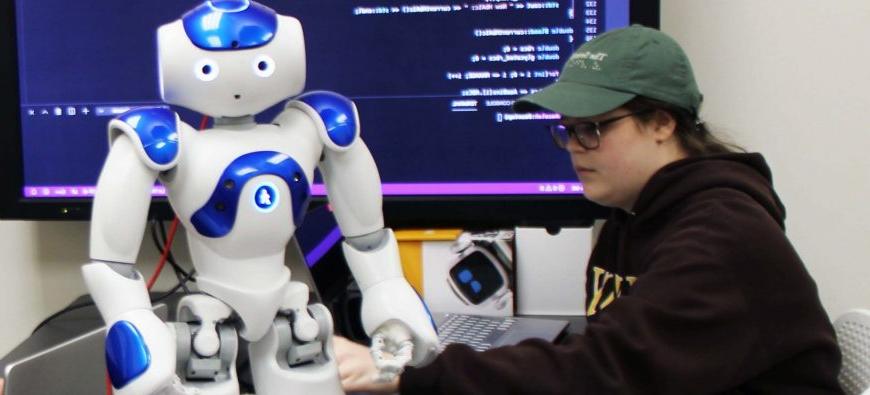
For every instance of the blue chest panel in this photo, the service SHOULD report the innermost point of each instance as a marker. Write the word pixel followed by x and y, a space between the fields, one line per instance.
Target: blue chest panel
pixel 127 356
pixel 337 113
pixel 230 24
pixel 217 216
pixel 157 130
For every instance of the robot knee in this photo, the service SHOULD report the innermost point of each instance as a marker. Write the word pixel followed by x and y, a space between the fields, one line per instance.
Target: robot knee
pixel 214 367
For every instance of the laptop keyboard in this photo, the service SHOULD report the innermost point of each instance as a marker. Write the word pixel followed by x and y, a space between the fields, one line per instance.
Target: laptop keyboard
pixel 478 332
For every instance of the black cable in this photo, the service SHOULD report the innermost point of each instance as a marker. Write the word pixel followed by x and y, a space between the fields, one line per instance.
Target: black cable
pixel 159 242
pixel 77 306
pixel 182 283
pixel 175 289
pixel 61 312
pixel 170 256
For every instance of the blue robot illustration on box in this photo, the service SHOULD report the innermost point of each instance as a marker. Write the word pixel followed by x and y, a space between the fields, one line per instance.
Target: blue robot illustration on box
pixel 241 189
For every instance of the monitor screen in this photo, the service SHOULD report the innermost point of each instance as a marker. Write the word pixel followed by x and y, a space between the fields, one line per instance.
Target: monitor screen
pixel 433 83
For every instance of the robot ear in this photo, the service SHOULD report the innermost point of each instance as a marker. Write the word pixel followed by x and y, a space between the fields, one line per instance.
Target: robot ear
pixel 462 242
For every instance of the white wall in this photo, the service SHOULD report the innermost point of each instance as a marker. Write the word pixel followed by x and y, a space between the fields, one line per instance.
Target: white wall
pixel 791 79
pixel 788 78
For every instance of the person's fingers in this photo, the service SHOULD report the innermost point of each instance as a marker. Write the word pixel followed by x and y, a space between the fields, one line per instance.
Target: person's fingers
pixel 353 361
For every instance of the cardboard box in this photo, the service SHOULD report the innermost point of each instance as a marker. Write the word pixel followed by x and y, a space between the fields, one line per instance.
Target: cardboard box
pixel 551 270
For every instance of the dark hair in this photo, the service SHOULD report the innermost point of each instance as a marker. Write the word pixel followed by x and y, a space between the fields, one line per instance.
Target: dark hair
pixel 693 134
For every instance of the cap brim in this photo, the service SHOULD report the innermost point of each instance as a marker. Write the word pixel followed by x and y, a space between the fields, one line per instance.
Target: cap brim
pixel 573 99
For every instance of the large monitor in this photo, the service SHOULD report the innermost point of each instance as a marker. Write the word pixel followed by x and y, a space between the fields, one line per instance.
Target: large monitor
pixel 433 82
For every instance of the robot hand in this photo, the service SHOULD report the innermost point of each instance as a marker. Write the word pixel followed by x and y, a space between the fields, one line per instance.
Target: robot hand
pixel 140 348
pixel 403 331
pixel 391 350
pixel 393 314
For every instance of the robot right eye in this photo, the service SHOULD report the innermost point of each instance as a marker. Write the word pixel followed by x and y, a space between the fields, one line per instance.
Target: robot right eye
pixel 264 66
pixel 206 70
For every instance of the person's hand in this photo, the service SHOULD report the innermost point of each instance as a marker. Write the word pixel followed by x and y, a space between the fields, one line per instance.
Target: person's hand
pixel 1 386
pixel 357 370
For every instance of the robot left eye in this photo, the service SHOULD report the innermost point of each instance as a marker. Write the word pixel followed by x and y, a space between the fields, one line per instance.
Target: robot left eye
pixel 206 70
pixel 263 66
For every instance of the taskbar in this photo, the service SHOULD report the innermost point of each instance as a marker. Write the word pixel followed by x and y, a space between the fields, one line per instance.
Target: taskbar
pixel 388 189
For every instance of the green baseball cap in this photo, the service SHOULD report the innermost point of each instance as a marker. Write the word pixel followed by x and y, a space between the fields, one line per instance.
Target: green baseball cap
pixel 614 68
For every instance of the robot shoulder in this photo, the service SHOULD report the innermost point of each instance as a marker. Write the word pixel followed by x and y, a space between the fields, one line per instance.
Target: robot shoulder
pixel 336 117
pixel 154 130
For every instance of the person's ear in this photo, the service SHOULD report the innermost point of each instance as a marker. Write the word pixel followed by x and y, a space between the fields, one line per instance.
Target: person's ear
pixel 663 126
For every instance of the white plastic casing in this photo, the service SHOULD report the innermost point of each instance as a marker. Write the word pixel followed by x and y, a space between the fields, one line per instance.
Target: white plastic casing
pixel 387 297
pixel 234 72
pixel 120 207
pixel 321 127
pixel 118 128
pixel 310 379
pixel 354 189
pixel 122 299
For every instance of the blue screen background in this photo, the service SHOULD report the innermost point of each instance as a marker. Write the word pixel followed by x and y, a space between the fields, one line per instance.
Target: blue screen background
pixel 102 52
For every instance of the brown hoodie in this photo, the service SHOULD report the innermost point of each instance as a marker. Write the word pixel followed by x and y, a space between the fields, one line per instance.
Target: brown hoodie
pixel 698 291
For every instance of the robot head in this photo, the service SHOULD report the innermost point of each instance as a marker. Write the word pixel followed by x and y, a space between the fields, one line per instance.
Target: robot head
pixel 229 58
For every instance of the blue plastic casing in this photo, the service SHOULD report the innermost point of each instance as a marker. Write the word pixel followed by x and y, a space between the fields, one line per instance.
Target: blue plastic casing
pixel 337 113
pixel 230 24
pixel 127 356
pixel 157 130
pixel 217 216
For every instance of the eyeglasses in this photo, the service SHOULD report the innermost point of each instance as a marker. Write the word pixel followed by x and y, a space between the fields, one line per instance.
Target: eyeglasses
pixel 588 134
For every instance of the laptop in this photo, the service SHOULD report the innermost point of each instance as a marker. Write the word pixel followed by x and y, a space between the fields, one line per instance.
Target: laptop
pixel 483 332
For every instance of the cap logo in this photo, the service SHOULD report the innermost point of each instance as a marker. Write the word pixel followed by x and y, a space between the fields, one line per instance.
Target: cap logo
pixel 587 60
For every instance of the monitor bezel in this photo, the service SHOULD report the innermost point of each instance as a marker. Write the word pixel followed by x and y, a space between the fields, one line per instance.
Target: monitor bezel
pixel 399 211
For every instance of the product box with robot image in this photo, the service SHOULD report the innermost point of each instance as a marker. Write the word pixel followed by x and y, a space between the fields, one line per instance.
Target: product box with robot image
pixel 457 271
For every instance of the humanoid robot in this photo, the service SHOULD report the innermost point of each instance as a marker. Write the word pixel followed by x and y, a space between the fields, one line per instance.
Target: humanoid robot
pixel 240 189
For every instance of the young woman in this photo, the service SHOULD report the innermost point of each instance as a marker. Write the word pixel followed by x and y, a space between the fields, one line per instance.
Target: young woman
pixel 693 287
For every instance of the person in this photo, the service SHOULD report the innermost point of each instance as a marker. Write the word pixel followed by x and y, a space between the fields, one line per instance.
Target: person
pixel 692 286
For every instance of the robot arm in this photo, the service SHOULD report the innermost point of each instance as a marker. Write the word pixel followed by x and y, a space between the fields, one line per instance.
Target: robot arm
pixel 140 350
pixel 391 309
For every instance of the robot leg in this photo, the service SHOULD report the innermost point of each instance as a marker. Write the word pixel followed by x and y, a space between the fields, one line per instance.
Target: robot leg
pixel 206 347
pixel 293 357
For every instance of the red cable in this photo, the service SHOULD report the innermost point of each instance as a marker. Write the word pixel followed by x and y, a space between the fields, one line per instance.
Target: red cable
pixel 160 264
pixel 203 123
pixel 172 228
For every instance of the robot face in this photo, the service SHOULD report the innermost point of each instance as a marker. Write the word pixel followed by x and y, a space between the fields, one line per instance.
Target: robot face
pixel 477 276
pixel 230 80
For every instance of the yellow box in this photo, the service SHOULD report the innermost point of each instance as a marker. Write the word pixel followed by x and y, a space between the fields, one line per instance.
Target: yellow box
pixel 411 250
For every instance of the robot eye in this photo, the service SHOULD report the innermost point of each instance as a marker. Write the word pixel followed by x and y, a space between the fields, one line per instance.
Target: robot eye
pixel 206 70
pixel 264 66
